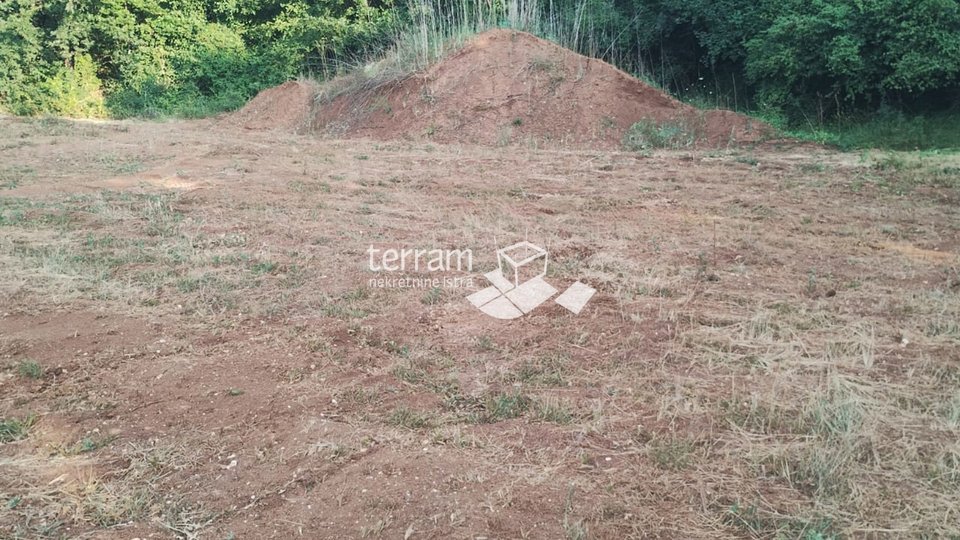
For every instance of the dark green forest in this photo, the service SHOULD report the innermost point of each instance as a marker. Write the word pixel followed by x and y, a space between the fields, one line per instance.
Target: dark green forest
pixel 888 67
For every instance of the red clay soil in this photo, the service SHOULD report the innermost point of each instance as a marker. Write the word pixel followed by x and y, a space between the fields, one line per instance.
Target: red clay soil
pixel 286 107
pixel 504 87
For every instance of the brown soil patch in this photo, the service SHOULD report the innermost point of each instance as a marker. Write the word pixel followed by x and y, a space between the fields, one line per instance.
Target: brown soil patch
pixel 285 107
pixel 503 88
pixel 918 253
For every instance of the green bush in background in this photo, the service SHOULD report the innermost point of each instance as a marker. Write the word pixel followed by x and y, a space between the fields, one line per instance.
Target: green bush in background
pixel 87 58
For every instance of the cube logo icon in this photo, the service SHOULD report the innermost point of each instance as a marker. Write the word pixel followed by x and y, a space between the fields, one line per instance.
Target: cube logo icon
pixel 517 286
pixel 522 262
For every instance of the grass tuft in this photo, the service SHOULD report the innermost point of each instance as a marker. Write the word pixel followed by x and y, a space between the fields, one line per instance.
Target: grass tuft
pixel 553 410
pixel 408 418
pixel 504 406
pixel 30 369
pixel 13 429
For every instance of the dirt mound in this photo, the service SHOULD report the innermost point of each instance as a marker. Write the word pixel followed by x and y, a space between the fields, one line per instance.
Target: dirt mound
pixel 503 87
pixel 508 87
pixel 286 107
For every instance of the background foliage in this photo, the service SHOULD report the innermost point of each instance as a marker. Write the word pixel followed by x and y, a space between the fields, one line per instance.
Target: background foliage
pixel 809 63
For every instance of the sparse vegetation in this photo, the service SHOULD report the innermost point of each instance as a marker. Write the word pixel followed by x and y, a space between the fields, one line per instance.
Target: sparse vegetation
pixel 648 134
pixel 90 443
pixel 553 410
pixel 433 296
pixel 751 520
pixel 545 369
pixel 671 453
pixel 486 343
pixel 30 369
pixel 407 418
pixel 209 322
pixel 12 177
pixel 504 406
pixel 13 429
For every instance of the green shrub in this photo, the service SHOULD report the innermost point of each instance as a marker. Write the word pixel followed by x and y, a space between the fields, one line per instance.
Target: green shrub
pixel 77 92
pixel 23 65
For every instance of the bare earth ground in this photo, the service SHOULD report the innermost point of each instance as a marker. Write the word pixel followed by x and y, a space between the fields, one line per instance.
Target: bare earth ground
pixel 502 87
pixel 189 346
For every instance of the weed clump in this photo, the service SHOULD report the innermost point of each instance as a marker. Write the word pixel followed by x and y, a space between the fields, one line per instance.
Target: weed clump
pixel 649 134
pixel 13 429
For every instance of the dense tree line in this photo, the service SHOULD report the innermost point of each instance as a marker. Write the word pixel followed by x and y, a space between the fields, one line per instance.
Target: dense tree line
pixel 806 59
pixel 191 57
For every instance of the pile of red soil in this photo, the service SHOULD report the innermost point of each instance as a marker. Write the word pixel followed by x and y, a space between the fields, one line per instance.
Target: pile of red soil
pixel 286 107
pixel 505 87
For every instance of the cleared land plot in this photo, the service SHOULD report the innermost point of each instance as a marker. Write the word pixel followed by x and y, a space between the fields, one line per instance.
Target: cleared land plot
pixel 188 345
